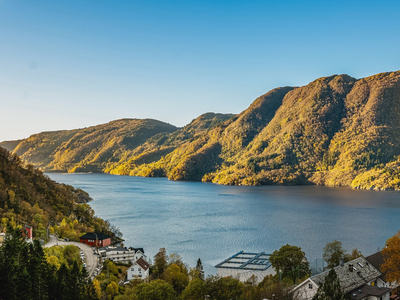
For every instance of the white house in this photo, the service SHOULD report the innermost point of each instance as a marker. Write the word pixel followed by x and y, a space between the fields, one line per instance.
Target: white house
pixel 246 266
pixel 139 269
pixel 358 279
pixel 122 255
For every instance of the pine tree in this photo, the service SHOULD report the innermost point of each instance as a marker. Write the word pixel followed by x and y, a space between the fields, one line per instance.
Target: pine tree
pixel 199 268
pixel 330 289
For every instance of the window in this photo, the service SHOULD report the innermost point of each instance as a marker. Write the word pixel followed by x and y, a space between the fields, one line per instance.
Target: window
pixel 141 276
pixel 310 286
pixel 139 269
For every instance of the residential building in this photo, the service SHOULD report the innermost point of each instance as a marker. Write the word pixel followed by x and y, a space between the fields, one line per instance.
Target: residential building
pixel 122 255
pixel 246 266
pixel 27 233
pixel 95 239
pixel 377 261
pixel 139 269
pixel 358 279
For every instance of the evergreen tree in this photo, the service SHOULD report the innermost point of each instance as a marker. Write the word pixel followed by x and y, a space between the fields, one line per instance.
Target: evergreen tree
pixel 199 268
pixel 330 289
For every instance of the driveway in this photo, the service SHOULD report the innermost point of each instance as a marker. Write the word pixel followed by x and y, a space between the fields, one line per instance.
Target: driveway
pixel 91 260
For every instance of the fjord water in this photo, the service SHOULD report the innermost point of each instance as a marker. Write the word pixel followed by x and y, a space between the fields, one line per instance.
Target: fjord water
pixel 213 222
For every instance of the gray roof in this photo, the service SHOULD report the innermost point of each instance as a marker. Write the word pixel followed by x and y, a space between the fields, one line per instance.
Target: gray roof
pixel 368 290
pixel 112 248
pixel 246 261
pixel 363 272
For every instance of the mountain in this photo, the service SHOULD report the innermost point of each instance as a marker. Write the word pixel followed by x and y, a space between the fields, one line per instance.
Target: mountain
pixel 162 144
pixel 29 197
pixel 336 131
pixel 106 146
pixel 88 149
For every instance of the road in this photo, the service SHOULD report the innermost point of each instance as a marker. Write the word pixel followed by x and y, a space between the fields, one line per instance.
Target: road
pixel 91 260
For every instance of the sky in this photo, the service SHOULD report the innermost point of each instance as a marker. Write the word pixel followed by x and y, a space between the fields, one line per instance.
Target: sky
pixel 73 64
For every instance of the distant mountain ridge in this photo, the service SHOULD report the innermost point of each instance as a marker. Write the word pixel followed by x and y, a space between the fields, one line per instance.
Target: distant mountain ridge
pixel 337 131
pixel 96 148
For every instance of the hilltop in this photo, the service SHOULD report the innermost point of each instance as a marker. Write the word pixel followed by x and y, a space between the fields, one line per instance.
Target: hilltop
pixel 337 131
pixel 107 146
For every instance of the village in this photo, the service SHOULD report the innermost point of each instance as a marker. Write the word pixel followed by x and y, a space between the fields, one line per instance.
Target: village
pixel 359 278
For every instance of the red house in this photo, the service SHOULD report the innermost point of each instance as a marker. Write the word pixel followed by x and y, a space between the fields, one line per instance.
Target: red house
pixel 95 239
pixel 27 232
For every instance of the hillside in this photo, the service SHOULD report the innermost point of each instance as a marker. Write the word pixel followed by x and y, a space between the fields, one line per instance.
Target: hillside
pixel 108 147
pixel 29 197
pixel 336 131
pixel 88 149
pixel 162 144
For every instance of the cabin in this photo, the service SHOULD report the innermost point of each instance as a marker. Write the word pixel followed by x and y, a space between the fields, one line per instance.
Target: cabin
pixel 246 266
pixel 139 269
pixel 95 239
pixel 27 232
pixel 358 279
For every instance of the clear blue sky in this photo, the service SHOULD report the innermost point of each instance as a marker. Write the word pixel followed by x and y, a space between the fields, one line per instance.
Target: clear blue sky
pixel 72 64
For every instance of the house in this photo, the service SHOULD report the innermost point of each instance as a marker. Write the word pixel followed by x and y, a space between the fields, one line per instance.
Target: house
pixel 122 255
pixel 377 261
pixel 358 279
pixel 139 269
pixel 94 239
pixel 246 266
pixel 27 232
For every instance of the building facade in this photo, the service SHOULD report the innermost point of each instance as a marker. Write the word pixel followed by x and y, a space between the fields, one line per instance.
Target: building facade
pixel 95 239
pixel 122 255
pixel 139 269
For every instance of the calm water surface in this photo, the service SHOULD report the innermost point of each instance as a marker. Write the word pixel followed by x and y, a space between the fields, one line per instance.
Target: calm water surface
pixel 214 222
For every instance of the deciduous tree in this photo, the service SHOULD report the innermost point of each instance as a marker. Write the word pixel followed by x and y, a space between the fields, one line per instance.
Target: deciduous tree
pixel 291 261
pixel 391 256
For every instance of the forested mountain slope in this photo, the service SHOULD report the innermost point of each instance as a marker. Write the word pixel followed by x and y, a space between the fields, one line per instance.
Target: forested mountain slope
pixel 88 149
pixel 108 147
pixel 337 130
pixel 29 197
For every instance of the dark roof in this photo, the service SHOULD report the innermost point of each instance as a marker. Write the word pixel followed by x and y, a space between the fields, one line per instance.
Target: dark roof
pixel 137 249
pixel 377 261
pixel 94 236
pixel 368 290
pixel 246 261
pixel 362 273
pixel 144 264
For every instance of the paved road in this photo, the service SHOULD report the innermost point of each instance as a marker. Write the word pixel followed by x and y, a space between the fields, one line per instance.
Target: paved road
pixel 91 260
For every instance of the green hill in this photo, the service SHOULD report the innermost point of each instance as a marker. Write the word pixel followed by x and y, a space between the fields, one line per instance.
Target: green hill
pixel 88 149
pixel 29 197
pixel 336 131
pixel 108 147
